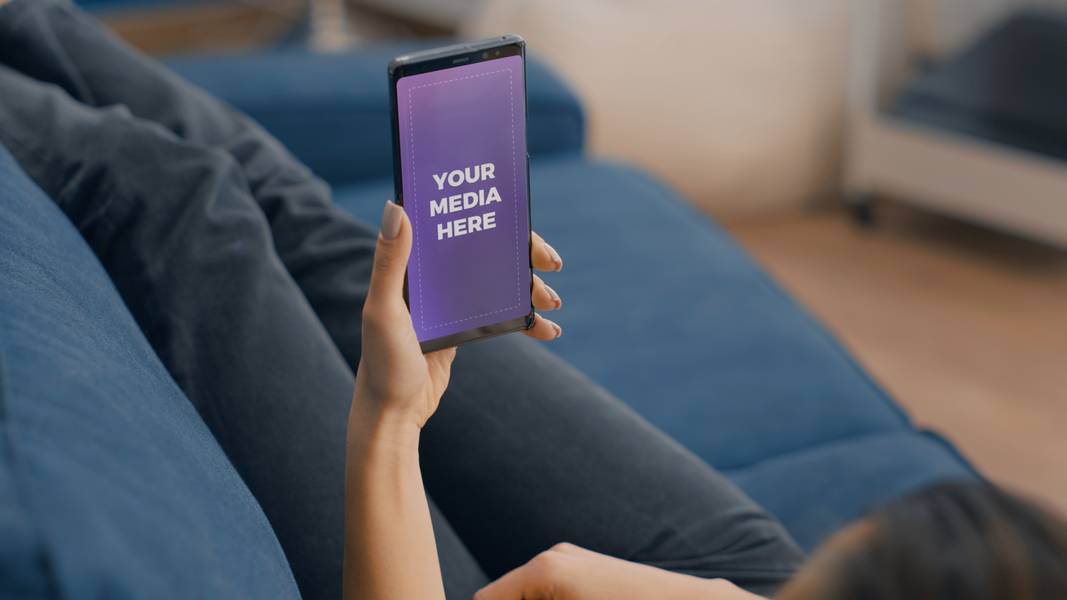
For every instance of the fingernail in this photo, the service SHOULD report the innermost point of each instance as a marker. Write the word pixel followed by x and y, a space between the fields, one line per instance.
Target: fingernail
pixel 559 330
pixel 554 296
pixel 391 219
pixel 555 256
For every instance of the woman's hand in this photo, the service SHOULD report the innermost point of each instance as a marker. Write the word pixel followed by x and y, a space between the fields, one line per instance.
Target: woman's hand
pixel 396 381
pixel 567 572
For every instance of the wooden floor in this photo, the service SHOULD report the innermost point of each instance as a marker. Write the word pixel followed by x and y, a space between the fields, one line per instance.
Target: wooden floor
pixel 966 327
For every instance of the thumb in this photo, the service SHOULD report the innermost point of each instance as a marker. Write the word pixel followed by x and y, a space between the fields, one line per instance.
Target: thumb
pixel 390 256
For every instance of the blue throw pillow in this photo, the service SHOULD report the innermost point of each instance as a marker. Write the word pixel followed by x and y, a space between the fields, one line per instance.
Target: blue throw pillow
pixel 111 486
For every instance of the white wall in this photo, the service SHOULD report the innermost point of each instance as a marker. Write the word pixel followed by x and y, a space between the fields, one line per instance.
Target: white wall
pixel 736 104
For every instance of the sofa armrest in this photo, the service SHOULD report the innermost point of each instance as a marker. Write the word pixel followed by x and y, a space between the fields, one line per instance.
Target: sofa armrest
pixel 332 110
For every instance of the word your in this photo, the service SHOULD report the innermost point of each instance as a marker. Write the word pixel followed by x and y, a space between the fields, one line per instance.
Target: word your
pixel 465 201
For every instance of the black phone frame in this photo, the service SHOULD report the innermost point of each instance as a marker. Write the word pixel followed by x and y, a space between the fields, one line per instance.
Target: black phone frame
pixel 446 58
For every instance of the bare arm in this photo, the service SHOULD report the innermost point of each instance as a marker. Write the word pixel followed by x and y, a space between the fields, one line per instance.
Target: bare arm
pixel 390 551
pixel 389 545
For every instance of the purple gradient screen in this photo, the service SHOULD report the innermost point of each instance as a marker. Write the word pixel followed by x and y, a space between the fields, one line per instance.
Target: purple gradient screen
pixel 463 160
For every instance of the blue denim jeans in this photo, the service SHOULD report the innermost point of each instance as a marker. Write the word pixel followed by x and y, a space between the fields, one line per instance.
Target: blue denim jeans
pixel 249 283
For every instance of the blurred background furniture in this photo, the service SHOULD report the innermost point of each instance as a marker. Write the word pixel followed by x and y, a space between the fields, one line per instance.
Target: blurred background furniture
pixel 799 118
pixel 178 26
pixel 168 26
pixel 969 120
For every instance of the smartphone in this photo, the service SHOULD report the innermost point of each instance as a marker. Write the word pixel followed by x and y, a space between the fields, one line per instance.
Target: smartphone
pixel 461 173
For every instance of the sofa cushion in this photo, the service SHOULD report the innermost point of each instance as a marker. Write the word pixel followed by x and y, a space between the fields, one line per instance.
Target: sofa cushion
pixel 110 484
pixel 663 308
pixel 817 490
pixel 332 110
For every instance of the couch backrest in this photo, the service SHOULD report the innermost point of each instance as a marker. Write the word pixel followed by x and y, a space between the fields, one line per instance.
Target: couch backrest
pixel 110 483
pixel 332 110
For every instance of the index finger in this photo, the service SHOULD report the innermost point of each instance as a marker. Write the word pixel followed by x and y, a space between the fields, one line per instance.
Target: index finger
pixel 542 255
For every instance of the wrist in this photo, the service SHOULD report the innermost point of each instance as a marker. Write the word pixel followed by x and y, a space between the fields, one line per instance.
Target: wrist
pixel 369 424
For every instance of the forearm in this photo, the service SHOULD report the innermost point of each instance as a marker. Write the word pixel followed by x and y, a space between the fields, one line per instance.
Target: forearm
pixel 389 544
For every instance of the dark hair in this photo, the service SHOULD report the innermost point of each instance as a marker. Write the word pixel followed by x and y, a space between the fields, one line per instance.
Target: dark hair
pixel 960 540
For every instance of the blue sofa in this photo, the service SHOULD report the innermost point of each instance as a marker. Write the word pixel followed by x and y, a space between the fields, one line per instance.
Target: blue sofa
pixel 663 307
pixel 103 463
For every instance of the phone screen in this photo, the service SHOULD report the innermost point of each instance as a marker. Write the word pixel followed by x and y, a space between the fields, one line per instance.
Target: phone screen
pixel 462 152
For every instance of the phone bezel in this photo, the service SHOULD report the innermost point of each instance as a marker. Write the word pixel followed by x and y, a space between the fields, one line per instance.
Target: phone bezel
pixel 446 58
